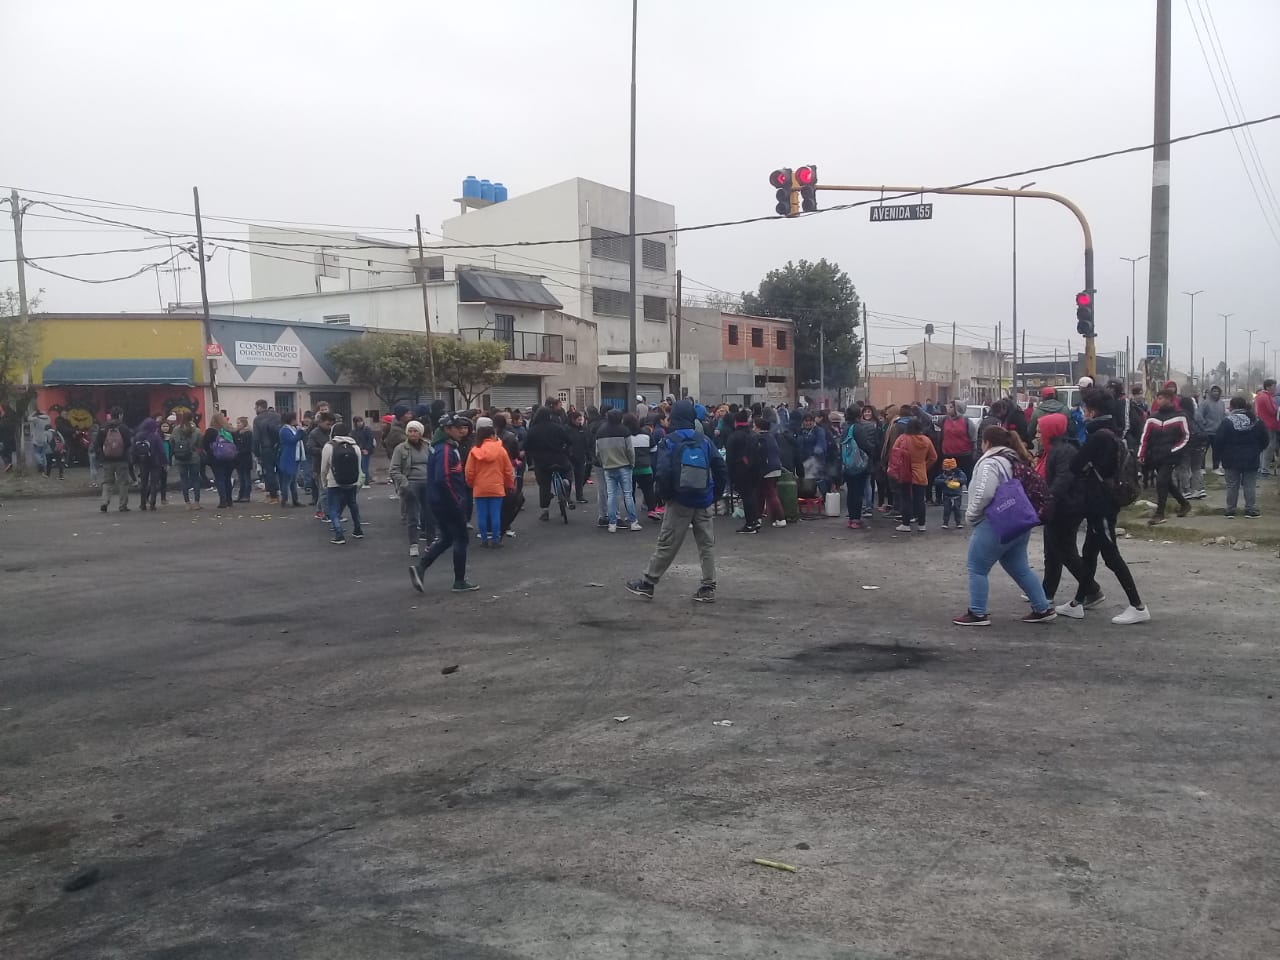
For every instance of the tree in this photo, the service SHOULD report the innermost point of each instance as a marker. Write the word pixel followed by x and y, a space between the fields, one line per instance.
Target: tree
pixel 821 300
pixel 472 367
pixel 395 366
pixel 724 302
pixel 18 351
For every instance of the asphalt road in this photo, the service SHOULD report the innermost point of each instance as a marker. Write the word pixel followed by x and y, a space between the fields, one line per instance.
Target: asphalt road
pixel 241 739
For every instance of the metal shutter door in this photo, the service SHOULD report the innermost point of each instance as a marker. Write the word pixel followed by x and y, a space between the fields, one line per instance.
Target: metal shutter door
pixel 514 395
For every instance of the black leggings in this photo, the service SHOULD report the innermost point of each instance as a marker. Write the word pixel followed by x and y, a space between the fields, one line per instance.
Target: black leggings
pixel 1060 551
pixel 645 483
pixel 1100 538
pixel 911 502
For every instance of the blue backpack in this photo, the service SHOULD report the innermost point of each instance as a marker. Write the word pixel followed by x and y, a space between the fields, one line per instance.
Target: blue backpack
pixel 691 468
pixel 852 456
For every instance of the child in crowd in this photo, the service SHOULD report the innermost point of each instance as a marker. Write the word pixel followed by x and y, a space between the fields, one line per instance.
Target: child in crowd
pixel 950 481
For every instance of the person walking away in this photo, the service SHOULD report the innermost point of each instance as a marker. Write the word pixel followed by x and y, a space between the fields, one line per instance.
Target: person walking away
pixel 1066 502
pixel 147 453
pixel 362 434
pixel 1001 450
pixel 243 463
pixel 579 455
pixel 1240 439
pixel 949 481
pixel 491 476
pixel 618 458
pixel 317 438
pixel 744 456
pixel 959 437
pixel 548 445
pixel 220 445
pixel 909 466
pixel 450 499
pixel 55 452
pixel 1099 471
pixel 1049 404
pixel 1264 406
pixel 113 444
pixel 642 474
pixel 186 443
pixel 772 466
pixel 265 444
pixel 691 476
pixel 1210 415
pixel 340 475
pixel 1164 436
pixel 409 463
pixel 856 463
pixel 293 451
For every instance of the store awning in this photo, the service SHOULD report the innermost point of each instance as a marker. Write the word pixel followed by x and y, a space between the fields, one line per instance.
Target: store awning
pixel 105 373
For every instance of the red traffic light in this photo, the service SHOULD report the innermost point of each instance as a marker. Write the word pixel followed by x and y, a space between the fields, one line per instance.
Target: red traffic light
pixel 807 175
pixel 1083 299
pixel 780 179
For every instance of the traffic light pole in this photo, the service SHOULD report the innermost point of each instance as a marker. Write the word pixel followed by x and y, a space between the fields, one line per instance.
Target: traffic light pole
pixel 1091 361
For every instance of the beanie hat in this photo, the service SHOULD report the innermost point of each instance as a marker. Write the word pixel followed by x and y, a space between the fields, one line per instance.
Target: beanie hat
pixel 483 422
pixel 414 425
pixel 400 409
pixel 949 463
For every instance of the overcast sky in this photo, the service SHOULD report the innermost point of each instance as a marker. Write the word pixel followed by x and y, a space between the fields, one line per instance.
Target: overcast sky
pixel 365 114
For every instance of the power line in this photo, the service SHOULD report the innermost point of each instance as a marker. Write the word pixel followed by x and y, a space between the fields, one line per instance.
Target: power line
pixel 35 265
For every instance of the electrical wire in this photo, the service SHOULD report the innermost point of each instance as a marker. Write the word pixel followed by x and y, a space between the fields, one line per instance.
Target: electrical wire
pixel 88 253
pixel 35 265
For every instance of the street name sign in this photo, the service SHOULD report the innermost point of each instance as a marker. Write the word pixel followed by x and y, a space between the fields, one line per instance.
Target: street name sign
pixel 901 211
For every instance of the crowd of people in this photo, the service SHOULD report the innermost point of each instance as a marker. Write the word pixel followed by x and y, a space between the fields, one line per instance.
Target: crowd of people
pixel 680 464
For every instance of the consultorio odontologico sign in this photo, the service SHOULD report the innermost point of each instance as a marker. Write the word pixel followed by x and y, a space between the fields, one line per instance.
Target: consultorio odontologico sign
pixel 249 353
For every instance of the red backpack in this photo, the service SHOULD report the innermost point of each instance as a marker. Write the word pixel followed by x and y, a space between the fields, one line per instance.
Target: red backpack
pixel 1033 485
pixel 899 468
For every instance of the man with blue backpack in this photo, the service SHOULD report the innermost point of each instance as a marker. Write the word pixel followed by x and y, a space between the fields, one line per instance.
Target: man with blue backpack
pixel 690 475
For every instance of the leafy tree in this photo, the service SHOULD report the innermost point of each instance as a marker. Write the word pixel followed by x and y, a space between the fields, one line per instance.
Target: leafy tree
pixel 821 300
pixel 18 350
pixel 396 366
pixel 471 368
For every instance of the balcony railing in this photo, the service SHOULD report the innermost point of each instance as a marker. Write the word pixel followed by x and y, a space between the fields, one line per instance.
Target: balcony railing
pixel 521 344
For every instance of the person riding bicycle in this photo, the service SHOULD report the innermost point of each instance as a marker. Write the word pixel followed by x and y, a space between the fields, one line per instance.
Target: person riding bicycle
pixel 548 447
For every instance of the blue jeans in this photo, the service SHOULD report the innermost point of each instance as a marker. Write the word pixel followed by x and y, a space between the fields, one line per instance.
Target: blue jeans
pixel 222 480
pixel 339 497
pixel 364 469
pixel 618 480
pixel 288 486
pixel 189 478
pixel 489 518
pixel 951 508
pixel 985 550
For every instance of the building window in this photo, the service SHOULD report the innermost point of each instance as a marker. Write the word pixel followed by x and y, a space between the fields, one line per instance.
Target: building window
pixel 653 254
pixel 570 350
pixel 608 245
pixel 609 303
pixel 780 339
pixel 504 327
pixel 563 396
pixel 733 334
pixel 286 402
pixel 586 397
pixel 757 336
pixel 655 308
pixel 341 319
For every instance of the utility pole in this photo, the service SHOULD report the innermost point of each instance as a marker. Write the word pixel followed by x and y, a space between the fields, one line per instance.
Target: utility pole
pixel 678 324
pixel 822 363
pixel 1264 359
pixel 1158 276
pixel 1133 307
pixel 1191 371
pixel 426 308
pixel 24 312
pixel 1024 364
pixel 1226 366
pixel 866 348
pixel 955 376
pixel 1014 198
pixel 632 382
pixel 1248 363
pixel 999 363
pixel 204 301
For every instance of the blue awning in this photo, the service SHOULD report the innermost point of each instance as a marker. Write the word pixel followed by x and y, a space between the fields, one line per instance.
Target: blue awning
pixel 95 373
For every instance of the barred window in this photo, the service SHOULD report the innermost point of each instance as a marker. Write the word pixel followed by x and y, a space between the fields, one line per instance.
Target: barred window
pixel 655 308
pixel 757 336
pixel 733 334
pixel 609 303
pixel 608 245
pixel 653 254
pixel 780 339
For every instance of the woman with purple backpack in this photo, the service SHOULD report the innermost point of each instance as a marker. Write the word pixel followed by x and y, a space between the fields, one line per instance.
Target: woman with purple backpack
pixel 1003 454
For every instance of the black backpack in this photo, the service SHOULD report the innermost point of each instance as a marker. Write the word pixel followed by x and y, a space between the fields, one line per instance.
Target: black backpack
pixel 346 464
pixel 141 450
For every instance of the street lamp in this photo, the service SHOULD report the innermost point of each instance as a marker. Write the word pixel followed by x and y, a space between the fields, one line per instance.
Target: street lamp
pixel 1133 310
pixel 1248 363
pixel 1264 359
pixel 1191 373
pixel 1226 366
pixel 1014 198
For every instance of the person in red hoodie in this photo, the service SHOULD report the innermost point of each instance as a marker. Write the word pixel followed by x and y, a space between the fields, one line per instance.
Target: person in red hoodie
pixel 1264 405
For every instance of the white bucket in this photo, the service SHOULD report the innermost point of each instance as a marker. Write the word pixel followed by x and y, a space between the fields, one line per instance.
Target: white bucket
pixel 831 504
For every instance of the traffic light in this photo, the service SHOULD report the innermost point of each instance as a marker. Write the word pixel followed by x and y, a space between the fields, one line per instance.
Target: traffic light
pixel 1084 314
pixel 788 200
pixel 806 178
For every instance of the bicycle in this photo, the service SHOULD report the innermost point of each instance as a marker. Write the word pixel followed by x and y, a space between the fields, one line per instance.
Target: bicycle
pixel 561 488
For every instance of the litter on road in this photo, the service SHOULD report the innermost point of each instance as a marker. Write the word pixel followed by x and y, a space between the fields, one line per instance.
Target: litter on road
pixel 775 864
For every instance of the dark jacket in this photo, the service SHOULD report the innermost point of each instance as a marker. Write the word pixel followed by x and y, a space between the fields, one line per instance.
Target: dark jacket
pixel 1016 420
pixel 867 434
pixel 549 443
pixel 266 435
pixel 394 436
pixel 125 433
pixel 666 465
pixel 245 448
pixel 1098 459
pixel 1240 439
pixel 446 478
pixel 363 436
pixel 149 430
pixel 1065 492
pixel 316 440
pixel 772 455
pixel 738 454
pixel 1164 435
pixel 788 450
pixel 580 445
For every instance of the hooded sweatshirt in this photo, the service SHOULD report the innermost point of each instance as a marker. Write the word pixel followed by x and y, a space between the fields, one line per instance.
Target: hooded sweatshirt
pixel 326 460
pixel 149 430
pixel 667 461
pixel 1045 407
pixel 489 471
pixel 1049 427
pixel 1240 438
pixel 1211 413
pixel 1264 402
pixel 992 469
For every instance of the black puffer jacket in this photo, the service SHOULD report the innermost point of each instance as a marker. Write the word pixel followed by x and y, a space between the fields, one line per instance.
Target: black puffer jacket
pixel 1065 491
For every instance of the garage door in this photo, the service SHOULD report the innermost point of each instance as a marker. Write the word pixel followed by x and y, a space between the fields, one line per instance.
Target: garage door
pixel 653 392
pixel 514 393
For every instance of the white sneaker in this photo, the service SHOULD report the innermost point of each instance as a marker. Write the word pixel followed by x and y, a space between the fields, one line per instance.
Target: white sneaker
pixel 946 527
pixel 1220 472
pixel 1073 610
pixel 920 529
pixel 613 528
pixel 779 523
pixel 1133 615
pixel 903 528
pixel 636 525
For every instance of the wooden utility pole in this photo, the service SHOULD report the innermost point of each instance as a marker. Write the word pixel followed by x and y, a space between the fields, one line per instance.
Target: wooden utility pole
pixel 675 347
pixel 426 308
pixel 866 348
pixel 24 313
pixel 999 362
pixel 955 376
pixel 204 303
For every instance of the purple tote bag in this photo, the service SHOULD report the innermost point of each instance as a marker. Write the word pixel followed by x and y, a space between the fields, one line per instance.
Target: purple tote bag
pixel 1010 512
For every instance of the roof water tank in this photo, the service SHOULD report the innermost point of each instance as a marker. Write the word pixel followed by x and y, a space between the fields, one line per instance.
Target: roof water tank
pixel 499 193
pixel 486 190
pixel 470 187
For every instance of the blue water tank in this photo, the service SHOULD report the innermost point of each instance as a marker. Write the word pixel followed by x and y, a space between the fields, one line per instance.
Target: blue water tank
pixel 499 193
pixel 486 190
pixel 470 187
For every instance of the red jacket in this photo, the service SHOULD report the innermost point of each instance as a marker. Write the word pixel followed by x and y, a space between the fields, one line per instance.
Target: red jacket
pixel 1264 405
